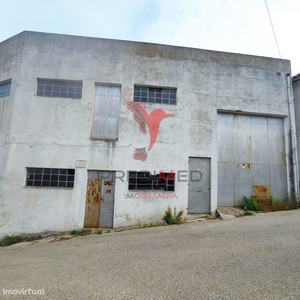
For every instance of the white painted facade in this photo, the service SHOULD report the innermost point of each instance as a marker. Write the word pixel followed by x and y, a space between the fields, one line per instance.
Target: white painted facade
pixel 49 132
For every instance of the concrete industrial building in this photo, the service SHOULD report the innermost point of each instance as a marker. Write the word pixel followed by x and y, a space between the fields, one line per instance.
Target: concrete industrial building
pixel 104 133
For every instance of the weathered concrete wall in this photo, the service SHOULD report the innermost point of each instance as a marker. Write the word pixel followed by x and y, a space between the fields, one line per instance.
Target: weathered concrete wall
pixel 10 60
pixel 10 53
pixel 55 132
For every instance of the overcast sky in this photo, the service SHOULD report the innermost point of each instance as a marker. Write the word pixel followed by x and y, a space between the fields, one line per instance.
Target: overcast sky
pixel 240 26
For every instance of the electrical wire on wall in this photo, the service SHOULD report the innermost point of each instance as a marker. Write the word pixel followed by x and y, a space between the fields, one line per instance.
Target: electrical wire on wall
pixel 273 28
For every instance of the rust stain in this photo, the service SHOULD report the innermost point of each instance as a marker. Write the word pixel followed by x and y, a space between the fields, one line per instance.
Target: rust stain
pixel 244 166
pixel 249 144
pixel 261 192
pixel 92 210
pixel 93 191
pixel 127 217
pixel 262 195
pixel 108 182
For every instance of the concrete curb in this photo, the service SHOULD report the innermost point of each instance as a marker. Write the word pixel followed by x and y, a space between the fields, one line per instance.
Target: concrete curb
pixel 224 216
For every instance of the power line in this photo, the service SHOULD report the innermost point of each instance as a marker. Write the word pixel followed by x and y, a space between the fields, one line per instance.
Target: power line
pixel 273 28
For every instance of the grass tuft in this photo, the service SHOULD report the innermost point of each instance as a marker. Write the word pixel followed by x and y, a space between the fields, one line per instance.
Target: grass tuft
pixel 250 203
pixel 173 218
pixel 74 232
pixel 9 240
pixel 249 213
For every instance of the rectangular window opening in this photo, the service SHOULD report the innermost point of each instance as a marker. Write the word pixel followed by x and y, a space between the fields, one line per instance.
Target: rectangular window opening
pixel 5 88
pixel 59 88
pixel 154 95
pixel 47 177
pixel 146 181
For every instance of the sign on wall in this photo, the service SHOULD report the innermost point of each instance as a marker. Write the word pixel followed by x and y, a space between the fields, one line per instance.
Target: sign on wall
pixel 147 122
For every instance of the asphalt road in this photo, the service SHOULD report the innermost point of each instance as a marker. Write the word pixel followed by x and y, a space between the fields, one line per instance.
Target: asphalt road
pixel 245 258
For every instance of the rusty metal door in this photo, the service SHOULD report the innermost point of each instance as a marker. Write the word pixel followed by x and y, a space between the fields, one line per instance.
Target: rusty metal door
pixel 99 199
pixel 199 185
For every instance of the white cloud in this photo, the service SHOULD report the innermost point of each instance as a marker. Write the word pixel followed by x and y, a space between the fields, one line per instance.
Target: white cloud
pixel 233 26
pixel 223 25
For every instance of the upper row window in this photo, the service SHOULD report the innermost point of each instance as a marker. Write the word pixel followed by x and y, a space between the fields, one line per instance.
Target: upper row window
pixel 59 88
pixel 5 89
pixel 73 89
pixel 154 95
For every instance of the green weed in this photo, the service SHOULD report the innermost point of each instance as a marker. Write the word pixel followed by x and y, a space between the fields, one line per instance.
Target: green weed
pixel 249 213
pixel 249 203
pixel 269 204
pixel 74 232
pixel 84 233
pixel 10 240
pixel 279 204
pixel 140 224
pixel 173 218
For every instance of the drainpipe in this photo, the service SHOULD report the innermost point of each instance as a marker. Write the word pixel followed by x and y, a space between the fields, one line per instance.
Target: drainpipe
pixel 293 134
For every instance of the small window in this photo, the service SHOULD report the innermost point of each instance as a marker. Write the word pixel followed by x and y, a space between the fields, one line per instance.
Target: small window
pixel 154 95
pixel 59 88
pixel 47 177
pixel 146 181
pixel 4 89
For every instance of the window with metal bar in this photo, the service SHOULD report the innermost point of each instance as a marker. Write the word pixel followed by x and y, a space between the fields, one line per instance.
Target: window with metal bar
pixel 154 95
pixel 49 177
pixel 146 181
pixel 5 88
pixel 59 88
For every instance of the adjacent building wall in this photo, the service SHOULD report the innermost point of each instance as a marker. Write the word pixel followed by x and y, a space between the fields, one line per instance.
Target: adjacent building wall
pixel 296 93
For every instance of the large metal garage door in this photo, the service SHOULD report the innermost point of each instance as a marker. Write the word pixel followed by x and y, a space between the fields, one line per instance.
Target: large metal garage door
pixel 251 158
